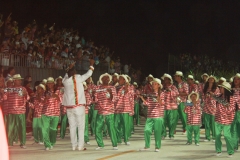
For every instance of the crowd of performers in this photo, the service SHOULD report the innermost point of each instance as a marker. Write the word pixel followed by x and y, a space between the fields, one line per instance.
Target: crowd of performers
pixel 112 109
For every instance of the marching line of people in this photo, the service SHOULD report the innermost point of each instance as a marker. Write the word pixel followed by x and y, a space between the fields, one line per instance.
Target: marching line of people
pixel 112 106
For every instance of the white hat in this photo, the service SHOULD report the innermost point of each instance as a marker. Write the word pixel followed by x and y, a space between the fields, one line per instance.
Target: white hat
pixel 44 81
pixel 197 82
pixel 103 75
pixel 157 81
pixel 226 85
pixel 17 76
pixel 237 75
pixel 117 75
pixel 125 77
pixel 222 79
pixel 60 77
pixel 179 73
pixel 151 76
pixel 211 76
pixel 50 80
pixel 189 96
pixel 42 86
pixel 231 79
pixel 98 83
pixel 9 79
pixel 167 76
pixel 190 77
pixel 129 78
pixel 135 84
pixel 204 74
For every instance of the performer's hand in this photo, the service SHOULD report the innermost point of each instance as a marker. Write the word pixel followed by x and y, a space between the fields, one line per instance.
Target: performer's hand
pixel 91 62
pixel 71 65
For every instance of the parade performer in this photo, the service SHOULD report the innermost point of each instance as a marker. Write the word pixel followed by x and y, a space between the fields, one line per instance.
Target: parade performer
pixel 105 97
pixel 87 107
pixel 148 88
pixel 50 115
pixel 37 105
pixel 209 108
pixel 136 103
pixel 191 83
pixel 225 111
pixel 17 98
pixel 183 92
pixel 155 115
pixel 193 111
pixel 170 102
pixel 115 77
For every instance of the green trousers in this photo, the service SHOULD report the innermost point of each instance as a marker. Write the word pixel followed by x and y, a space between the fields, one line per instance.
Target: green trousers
pixel 209 121
pixel 136 113
pixel 93 118
pixel 193 129
pixel 182 115
pixel 131 125
pixel 109 120
pixel 49 129
pixel 156 125
pixel 122 127
pixel 64 122
pixel 37 129
pixel 86 137
pixel 227 136
pixel 16 125
pixel 170 121
pixel 235 129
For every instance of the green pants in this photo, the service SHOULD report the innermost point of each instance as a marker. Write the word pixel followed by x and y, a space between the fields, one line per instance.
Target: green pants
pixel 227 136
pixel 64 122
pixel 131 125
pixel 37 129
pixel 109 120
pixel 136 113
pixel 86 137
pixel 93 119
pixel 193 129
pixel 182 115
pixel 122 126
pixel 209 121
pixel 170 121
pixel 49 129
pixel 235 129
pixel 16 125
pixel 156 125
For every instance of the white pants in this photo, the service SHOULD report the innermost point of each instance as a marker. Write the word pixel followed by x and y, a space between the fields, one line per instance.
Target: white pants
pixel 76 119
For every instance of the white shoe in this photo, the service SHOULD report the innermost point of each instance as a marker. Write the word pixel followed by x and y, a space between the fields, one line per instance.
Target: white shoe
pixel 127 143
pixel 82 149
pixel 99 148
pixel 219 154
pixel 74 148
pixel 88 143
pixel 213 141
pixel 51 147
pixel 23 146
pixel 206 140
pixel 230 156
pixel 46 149
pixel 41 143
pixel 156 150
pixel 115 148
pixel 172 138
pixel 197 144
pixel 144 149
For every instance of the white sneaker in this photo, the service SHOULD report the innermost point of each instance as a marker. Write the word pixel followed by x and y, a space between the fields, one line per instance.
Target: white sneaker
pixel 213 141
pixel 230 156
pixel 74 148
pixel 115 148
pixel 23 146
pixel 46 149
pixel 219 154
pixel 99 148
pixel 41 143
pixel 51 147
pixel 197 144
pixel 127 143
pixel 144 149
pixel 156 150
pixel 172 138
pixel 88 143
pixel 206 140
pixel 82 149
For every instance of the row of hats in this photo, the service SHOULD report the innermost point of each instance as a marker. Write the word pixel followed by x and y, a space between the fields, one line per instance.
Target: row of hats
pixel 50 80
pixel 126 77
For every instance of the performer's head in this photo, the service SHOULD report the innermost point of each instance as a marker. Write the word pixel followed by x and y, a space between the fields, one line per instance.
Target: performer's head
pixel 40 89
pixel 204 77
pixel 17 79
pixel 115 78
pixel 105 79
pixel 50 84
pixel 71 72
pixel 135 85
pixel 236 81
pixel 122 80
pixel 221 80
pixel 190 80
pixel 149 78
pixel 9 83
pixel 211 80
pixel 89 80
pixel 156 84
pixel 178 76
pixel 58 81
pixel 167 79
pixel 226 90
pixel 193 97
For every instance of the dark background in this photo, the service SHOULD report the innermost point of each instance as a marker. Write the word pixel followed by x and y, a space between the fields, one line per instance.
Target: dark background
pixel 142 33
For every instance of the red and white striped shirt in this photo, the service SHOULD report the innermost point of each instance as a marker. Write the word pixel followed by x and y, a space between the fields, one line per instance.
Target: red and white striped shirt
pixel 60 92
pixel 170 97
pixel 16 100
pixel 124 100
pixel 155 110
pixel 51 106
pixel 37 105
pixel 105 104
pixel 210 103
pixel 147 89
pixel 193 88
pixel 90 88
pixel 236 94
pixel 225 114
pixel 193 114
pixel 183 88
pixel 88 101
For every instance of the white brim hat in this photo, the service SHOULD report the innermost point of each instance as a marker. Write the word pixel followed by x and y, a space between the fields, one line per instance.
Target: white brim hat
pixel 237 75
pixel 60 77
pixel 231 79
pixel 204 74
pixel 178 73
pixel 167 76
pixel 197 82
pixel 222 79
pixel 135 84
pixel 103 75
pixel 149 76
pixel 157 81
pixel 129 78
pixel 17 77
pixel 125 77
pixel 42 86
pixel 189 96
pixel 226 85
pixel 190 77
pixel 211 76
pixel 50 80
pixel 117 75
pixel 9 79
pixel 44 81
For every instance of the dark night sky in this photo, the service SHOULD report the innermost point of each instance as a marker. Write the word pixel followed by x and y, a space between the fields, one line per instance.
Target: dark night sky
pixel 143 32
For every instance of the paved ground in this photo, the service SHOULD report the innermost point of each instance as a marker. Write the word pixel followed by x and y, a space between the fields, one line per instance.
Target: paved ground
pixel 171 150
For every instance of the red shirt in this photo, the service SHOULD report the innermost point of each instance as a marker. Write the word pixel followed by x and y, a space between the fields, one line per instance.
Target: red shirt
pixel 37 105
pixel 51 106
pixel 183 87
pixel 193 114
pixel 170 97
pixel 210 103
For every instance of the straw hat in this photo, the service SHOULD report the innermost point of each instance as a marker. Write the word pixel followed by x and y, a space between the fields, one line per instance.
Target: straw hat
pixel 50 80
pixel 178 73
pixel 135 84
pixel 167 76
pixel 211 76
pixel 44 81
pixel 231 79
pixel 129 78
pixel 60 77
pixel 42 86
pixel 190 77
pixel 204 74
pixel 197 82
pixel 125 77
pixel 157 81
pixel 117 75
pixel 237 75
pixel 189 96
pixel 222 79
pixel 9 79
pixel 103 75
pixel 17 76
pixel 149 76
pixel 226 85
